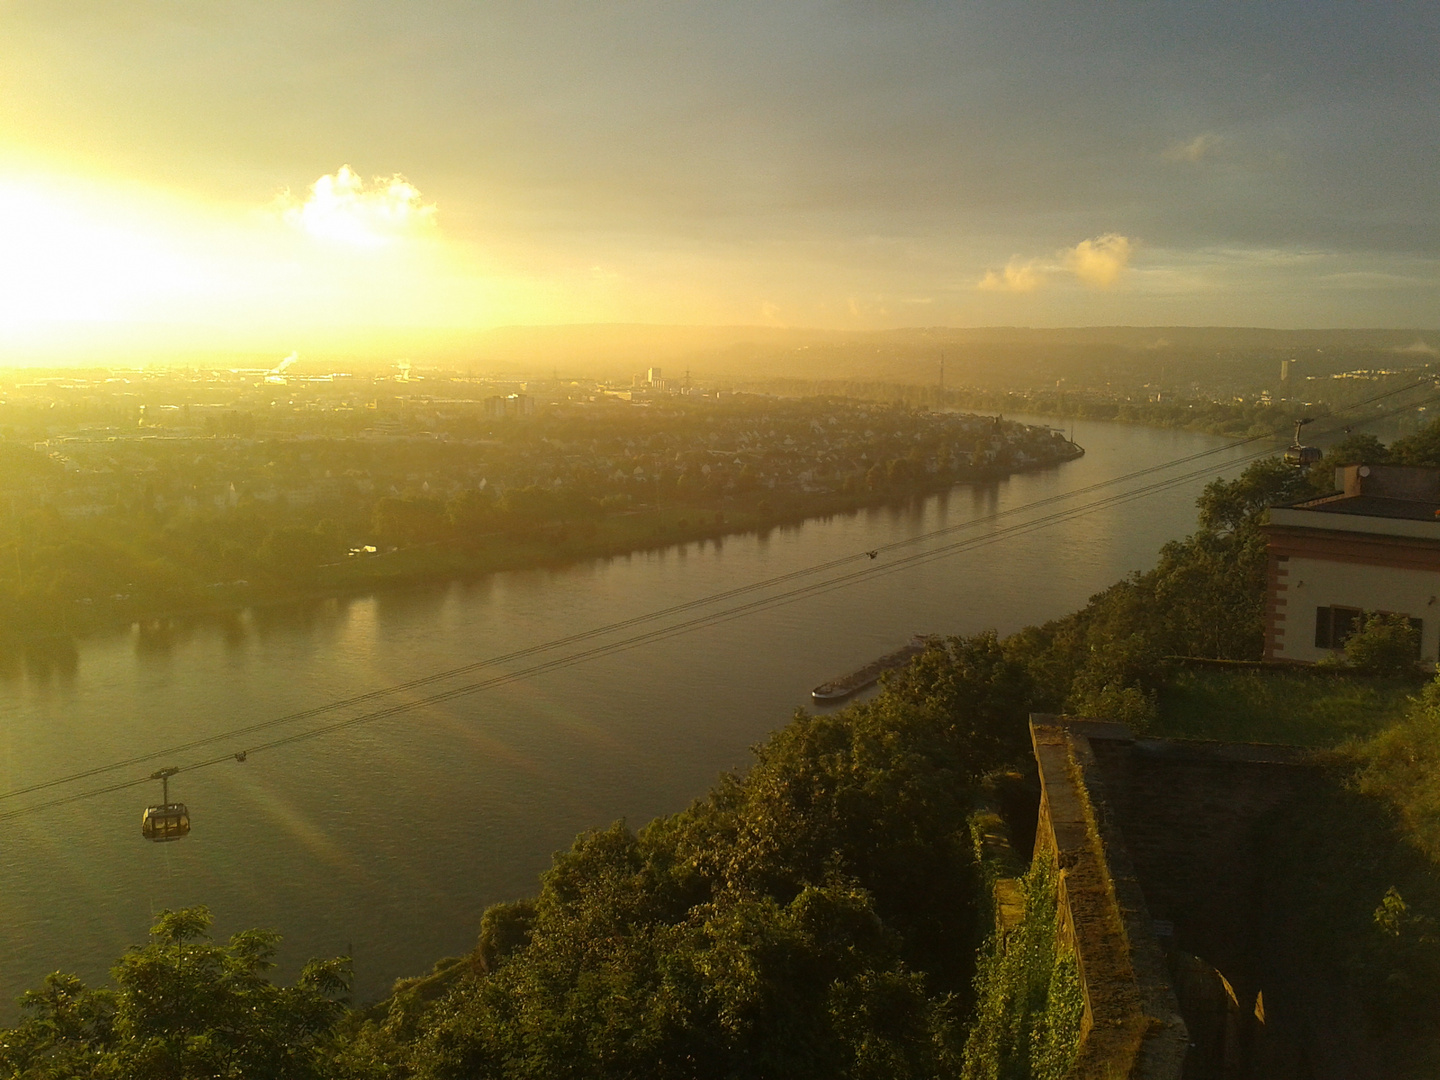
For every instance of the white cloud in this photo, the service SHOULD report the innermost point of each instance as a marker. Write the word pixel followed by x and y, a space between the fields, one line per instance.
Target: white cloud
pixel 341 207
pixel 1018 276
pixel 1099 261
pixel 1196 149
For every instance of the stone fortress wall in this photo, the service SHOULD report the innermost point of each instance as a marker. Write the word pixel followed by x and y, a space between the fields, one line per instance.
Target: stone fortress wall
pixel 1165 850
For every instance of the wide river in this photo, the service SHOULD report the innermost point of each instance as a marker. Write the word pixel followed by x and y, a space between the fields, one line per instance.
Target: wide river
pixel 388 839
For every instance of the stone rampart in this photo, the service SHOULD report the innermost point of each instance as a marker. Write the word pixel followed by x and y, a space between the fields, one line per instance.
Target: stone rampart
pixel 1132 1026
pixel 1162 847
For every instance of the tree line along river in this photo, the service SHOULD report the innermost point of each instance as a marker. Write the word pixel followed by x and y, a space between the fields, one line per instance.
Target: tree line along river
pixel 388 839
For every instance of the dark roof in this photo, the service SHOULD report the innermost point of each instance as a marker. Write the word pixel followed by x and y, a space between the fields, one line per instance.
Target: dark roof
pixel 1372 506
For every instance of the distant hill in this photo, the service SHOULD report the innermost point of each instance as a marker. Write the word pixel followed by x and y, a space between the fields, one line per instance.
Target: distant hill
pixel 1000 357
pixel 985 355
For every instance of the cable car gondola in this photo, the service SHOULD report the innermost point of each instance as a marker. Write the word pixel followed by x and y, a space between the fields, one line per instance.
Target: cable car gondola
pixel 1303 456
pixel 168 821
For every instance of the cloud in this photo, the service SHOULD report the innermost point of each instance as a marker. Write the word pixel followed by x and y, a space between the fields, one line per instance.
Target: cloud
pixel 1100 261
pixel 1097 262
pixel 341 207
pixel 1201 146
pixel 1018 277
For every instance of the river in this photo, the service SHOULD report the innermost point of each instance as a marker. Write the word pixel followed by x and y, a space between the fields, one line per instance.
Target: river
pixel 387 840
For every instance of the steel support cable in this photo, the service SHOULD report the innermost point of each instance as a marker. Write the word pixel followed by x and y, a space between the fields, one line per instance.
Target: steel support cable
pixel 763 603
pixel 623 624
pixel 681 608
pixel 612 648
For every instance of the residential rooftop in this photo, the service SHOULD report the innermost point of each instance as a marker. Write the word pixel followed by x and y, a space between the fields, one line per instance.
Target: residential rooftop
pixel 1396 493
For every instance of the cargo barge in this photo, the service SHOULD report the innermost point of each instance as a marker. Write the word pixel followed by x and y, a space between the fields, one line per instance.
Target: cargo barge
pixel 846 685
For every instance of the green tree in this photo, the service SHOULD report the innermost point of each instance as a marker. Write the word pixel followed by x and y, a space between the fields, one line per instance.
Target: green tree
pixel 293 551
pixel 1402 766
pixel 1240 504
pixel 405 522
pixel 503 929
pixel 1421 448
pixel 183 1008
pixel 471 511
pixel 1360 448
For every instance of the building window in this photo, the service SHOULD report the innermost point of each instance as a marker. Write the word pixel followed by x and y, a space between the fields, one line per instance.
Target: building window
pixel 1334 625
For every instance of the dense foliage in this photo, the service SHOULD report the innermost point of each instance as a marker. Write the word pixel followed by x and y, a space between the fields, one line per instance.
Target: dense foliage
pixel 1402 766
pixel 1028 1013
pixel 814 917
pixel 1385 644
pixel 182 1008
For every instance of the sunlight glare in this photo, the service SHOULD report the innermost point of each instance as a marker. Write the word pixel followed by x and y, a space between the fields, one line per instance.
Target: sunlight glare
pixel 62 261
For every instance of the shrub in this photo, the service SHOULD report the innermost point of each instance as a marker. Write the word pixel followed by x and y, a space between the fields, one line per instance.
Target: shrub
pixel 1387 645
pixel 1402 766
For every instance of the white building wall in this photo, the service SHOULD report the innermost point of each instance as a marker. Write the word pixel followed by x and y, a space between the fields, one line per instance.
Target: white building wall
pixel 1313 583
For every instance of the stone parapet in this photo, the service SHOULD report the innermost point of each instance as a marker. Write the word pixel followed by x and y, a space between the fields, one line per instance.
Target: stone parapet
pixel 1132 1026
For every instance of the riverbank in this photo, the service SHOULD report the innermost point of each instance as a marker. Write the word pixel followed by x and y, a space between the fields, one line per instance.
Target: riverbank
pixel 547 546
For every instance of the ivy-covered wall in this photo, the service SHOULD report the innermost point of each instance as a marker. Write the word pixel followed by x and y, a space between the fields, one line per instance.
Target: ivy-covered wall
pixel 1029 999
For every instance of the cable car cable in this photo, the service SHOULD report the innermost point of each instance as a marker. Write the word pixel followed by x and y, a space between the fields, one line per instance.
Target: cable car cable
pixel 547 646
pixel 660 633
pixel 716 618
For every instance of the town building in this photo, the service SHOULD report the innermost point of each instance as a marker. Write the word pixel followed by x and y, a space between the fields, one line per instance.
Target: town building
pixel 1372 546
pixel 497 407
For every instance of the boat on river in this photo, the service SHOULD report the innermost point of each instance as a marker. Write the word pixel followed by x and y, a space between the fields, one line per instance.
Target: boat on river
pixel 848 685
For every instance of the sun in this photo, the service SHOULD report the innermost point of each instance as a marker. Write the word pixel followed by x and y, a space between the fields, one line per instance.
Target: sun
pixel 91 269
pixel 63 260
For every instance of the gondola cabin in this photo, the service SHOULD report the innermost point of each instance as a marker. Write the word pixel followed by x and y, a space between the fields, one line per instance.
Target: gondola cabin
pixel 1299 454
pixel 167 821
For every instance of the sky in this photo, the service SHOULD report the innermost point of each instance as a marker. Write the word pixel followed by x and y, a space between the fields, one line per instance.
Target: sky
pixel 244 175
